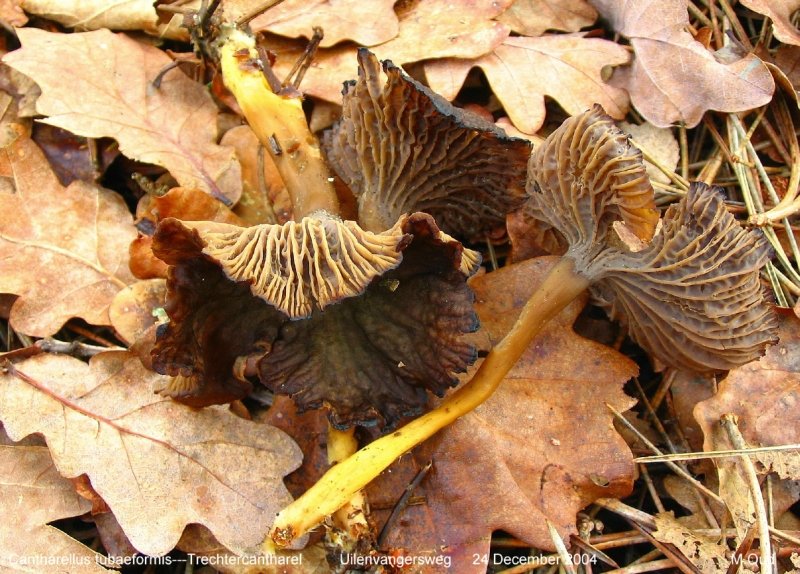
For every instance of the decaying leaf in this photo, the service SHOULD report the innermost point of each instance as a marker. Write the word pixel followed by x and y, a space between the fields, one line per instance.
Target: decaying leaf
pixel 533 17
pixel 543 445
pixel 367 23
pixel 157 464
pixel 659 142
pixel 674 78
pixel 427 31
pixel 11 12
pixel 98 84
pixel 568 69
pixel 96 14
pixel 63 250
pixel 131 311
pixel 760 393
pixel 33 495
pixel 780 12
pixel 421 530
pixel 707 554
pixel 264 196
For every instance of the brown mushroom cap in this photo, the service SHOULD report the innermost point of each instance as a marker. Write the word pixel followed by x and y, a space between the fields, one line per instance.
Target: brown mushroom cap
pixel 213 322
pixel 362 323
pixel 584 177
pixel 401 148
pixel 693 296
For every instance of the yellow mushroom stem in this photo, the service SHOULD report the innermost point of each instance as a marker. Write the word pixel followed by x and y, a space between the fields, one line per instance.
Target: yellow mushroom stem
pixel 351 518
pixel 280 124
pixel 337 486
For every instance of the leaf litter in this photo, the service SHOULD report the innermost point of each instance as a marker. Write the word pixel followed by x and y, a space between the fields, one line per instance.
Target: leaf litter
pixel 497 475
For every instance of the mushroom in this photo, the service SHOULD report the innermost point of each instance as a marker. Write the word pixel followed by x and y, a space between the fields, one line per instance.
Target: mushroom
pixel 692 297
pixel 402 148
pixel 320 309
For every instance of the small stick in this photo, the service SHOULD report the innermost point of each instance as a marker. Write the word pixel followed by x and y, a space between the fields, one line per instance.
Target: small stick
pixel 729 423
pixel 402 503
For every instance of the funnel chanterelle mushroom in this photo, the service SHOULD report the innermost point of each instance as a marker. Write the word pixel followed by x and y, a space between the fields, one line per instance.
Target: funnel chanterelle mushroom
pixel 692 298
pixel 402 148
pixel 322 310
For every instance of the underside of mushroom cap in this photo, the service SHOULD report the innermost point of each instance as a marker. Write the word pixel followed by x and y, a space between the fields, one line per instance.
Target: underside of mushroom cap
pixel 585 176
pixel 401 148
pixel 215 325
pixel 302 265
pixel 370 359
pixel 693 296
pixel 368 355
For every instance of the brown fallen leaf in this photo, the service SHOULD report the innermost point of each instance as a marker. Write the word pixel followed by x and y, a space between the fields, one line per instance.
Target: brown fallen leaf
pixel 131 311
pixel 186 204
pixel 157 464
pixel 12 13
pixel 264 196
pixel 96 14
pixel 367 23
pixel 427 31
pixel 659 142
pixel 780 12
pixel 33 495
pixel 420 530
pixel 761 393
pixel 543 447
pixel 310 431
pixel 707 554
pixel 533 17
pixel 65 258
pixel 568 69
pixel 674 78
pixel 98 84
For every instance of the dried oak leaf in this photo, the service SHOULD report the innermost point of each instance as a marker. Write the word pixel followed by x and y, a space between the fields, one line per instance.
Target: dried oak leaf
pixel 780 12
pixel 367 24
pixel 328 313
pixel 706 553
pixel 96 14
pixel 401 148
pixel 543 446
pixel 12 13
pixel 157 464
pixel 533 17
pixel 763 394
pixel 660 143
pixel 568 69
pixel 264 195
pixel 419 530
pixel 673 77
pixel 62 250
pixel 428 30
pixel 33 495
pixel 131 311
pixel 99 84
pixel 182 203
